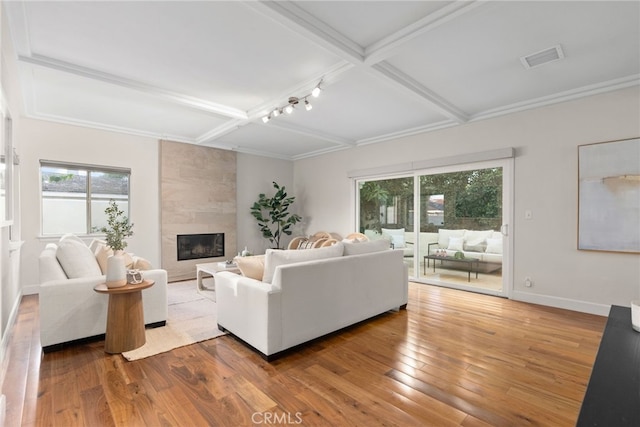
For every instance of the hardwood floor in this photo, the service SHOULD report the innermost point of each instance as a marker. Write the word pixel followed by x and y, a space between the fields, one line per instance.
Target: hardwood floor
pixel 453 358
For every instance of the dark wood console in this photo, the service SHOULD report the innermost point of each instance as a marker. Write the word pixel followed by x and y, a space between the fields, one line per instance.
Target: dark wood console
pixel 613 393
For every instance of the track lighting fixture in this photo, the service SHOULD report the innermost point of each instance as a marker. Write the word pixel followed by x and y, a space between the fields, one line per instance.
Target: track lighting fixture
pixel 292 102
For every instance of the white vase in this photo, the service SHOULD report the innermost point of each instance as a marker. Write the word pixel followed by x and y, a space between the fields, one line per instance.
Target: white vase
pixel 116 271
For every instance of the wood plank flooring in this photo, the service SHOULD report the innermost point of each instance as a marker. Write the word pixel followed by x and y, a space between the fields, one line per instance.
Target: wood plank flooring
pixel 453 358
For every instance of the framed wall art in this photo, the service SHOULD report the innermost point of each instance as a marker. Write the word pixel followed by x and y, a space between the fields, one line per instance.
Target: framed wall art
pixel 609 196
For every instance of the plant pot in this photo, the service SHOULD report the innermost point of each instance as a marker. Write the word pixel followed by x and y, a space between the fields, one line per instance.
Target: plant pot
pixel 116 271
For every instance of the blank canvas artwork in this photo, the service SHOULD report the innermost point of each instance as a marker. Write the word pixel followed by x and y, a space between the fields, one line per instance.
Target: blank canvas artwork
pixel 609 196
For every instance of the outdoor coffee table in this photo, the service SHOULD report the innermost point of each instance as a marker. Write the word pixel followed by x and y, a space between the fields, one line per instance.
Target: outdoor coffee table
pixel 470 265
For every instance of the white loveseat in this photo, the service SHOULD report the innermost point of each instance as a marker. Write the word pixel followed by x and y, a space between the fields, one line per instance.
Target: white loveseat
pixel 304 295
pixel 70 310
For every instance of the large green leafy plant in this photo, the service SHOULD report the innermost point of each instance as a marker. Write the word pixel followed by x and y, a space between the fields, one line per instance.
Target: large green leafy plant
pixel 119 227
pixel 273 216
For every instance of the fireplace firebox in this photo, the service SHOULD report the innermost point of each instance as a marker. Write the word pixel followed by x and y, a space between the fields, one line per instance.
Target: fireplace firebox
pixel 196 246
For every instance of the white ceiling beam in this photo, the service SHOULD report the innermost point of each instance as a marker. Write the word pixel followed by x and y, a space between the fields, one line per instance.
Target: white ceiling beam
pixel 387 46
pixel 419 91
pixel 220 131
pixel 407 132
pixel 328 76
pixel 294 18
pixel 297 20
pixel 174 97
pixel 310 133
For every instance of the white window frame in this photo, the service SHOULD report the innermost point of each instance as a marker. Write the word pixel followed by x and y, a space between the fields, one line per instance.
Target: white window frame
pixel 88 169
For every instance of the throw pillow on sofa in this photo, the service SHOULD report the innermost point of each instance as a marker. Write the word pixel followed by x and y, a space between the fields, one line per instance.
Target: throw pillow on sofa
pixel 76 259
pixel 476 240
pixel 102 252
pixel 494 246
pixel 251 266
pixel 455 243
pixel 396 235
pixel 444 235
pixel 276 257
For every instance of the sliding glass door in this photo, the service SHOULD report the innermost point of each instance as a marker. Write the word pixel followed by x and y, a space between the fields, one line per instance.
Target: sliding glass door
pixel 461 227
pixel 450 221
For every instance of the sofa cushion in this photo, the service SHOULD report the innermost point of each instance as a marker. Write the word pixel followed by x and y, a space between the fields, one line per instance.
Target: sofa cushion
pixel 396 235
pixel 494 246
pixel 476 240
pixel 275 257
pixel 70 236
pixel 77 260
pixel 50 268
pixel 366 247
pixel 444 235
pixel 251 266
pixel 102 253
pixel 140 263
pixel 455 243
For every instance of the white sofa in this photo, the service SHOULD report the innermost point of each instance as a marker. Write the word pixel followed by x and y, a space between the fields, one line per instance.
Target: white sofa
pixel 304 295
pixel 70 310
pixel 483 245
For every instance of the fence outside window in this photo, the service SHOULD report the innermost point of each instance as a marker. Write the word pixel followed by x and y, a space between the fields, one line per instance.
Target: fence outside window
pixel 74 197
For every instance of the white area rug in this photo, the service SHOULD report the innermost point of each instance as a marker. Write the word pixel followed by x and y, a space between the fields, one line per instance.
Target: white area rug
pixel 192 318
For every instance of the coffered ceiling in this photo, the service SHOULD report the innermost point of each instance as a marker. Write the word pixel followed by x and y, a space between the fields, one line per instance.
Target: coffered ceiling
pixel 207 72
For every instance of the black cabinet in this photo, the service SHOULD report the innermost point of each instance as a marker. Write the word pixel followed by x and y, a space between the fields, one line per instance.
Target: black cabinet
pixel 613 394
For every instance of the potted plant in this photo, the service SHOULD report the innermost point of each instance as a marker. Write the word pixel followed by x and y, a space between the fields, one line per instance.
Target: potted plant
pixel 118 228
pixel 272 214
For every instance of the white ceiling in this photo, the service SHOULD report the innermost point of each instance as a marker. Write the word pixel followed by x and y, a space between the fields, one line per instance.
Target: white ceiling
pixel 206 72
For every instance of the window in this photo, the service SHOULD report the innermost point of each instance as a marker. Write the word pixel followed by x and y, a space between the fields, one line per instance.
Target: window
pixel 74 197
pixel 386 203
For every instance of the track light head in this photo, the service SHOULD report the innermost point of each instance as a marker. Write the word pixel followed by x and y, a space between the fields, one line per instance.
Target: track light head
pixel 292 102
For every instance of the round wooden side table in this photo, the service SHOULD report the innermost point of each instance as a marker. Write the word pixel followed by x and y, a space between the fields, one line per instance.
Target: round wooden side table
pixel 125 316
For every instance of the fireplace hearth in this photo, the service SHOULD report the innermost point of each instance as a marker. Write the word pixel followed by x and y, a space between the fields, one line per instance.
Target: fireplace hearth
pixel 196 246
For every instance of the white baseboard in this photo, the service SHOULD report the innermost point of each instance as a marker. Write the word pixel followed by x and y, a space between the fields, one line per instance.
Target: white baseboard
pixel 3 409
pixel 31 290
pixel 4 345
pixel 558 302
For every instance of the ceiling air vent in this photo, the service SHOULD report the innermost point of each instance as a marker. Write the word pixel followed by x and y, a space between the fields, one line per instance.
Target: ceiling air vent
pixel 543 57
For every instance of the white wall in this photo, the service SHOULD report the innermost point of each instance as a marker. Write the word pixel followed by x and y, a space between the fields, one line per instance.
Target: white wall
pixel 10 291
pixel 255 176
pixel 65 143
pixel 546 183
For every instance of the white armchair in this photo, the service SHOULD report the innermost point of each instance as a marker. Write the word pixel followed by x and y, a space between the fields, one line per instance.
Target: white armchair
pixel 70 310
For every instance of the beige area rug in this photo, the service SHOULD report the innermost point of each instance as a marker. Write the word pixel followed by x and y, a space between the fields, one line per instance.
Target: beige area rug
pixel 192 318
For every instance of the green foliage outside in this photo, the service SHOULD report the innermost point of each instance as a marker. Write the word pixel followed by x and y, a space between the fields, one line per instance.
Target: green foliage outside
pixel 472 200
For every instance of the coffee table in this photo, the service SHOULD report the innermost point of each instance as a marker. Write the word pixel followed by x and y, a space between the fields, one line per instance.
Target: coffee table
pixel 470 265
pixel 211 268
pixel 125 316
